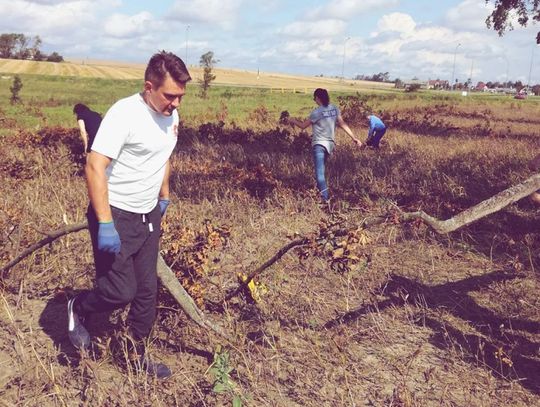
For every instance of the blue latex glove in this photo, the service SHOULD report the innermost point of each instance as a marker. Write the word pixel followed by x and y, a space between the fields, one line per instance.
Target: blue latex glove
pixel 108 238
pixel 163 204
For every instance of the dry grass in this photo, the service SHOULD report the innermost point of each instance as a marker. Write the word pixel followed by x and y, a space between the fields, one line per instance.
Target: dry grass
pixel 420 320
pixel 121 70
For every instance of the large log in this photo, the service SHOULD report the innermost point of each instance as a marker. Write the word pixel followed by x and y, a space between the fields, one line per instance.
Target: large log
pixel 481 210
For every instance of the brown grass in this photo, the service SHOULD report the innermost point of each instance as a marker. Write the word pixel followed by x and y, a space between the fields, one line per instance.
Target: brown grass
pixel 419 320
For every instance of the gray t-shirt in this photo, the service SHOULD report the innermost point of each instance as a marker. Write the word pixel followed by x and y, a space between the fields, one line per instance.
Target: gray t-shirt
pixel 323 120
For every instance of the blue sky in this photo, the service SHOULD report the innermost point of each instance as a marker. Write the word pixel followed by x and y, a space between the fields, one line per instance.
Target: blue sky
pixel 403 37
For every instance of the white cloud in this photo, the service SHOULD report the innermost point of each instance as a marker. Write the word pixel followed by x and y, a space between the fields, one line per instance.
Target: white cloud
pixel 314 29
pixel 469 15
pixel 397 22
pixel 222 12
pixel 50 18
pixel 124 26
pixel 347 9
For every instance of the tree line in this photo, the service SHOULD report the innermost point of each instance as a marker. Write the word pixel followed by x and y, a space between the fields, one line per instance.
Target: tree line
pixel 20 46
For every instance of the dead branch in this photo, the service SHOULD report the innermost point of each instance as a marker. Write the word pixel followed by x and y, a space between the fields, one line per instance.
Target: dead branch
pixel 51 236
pixel 170 281
pixel 165 274
pixel 281 252
pixel 483 209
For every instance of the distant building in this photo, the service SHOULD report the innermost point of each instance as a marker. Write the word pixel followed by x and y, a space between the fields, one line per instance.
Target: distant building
pixel 437 84
pixel 416 82
pixel 481 87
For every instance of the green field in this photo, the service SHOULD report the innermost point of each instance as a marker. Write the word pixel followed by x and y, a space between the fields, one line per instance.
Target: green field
pixel 54 97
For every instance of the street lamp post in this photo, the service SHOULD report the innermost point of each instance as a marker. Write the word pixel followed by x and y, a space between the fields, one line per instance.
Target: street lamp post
pixel 470 76
pixel 530 68
pixel 507 68
pixel 343 63
pixel 454 66
pixel 187 40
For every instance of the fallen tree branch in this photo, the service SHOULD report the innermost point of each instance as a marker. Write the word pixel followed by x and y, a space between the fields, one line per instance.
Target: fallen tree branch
pixel 280 253
pixel 182 297
pixel 51 236
pixel 484 208
pixel 164 273
pixel 481 210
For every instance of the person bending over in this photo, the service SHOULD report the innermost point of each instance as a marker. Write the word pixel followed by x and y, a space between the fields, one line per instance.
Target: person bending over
pixel 88 122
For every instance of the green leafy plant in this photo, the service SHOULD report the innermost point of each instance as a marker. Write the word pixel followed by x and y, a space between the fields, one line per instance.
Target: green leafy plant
pixel 220 370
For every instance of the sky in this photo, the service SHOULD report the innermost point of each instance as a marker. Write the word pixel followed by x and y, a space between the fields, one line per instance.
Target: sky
pixel 435 39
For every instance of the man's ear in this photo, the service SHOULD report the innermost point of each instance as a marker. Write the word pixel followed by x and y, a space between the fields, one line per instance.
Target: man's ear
pixel 148 86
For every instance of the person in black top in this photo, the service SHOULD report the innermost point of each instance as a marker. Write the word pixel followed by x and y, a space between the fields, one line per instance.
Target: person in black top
pixel 89 122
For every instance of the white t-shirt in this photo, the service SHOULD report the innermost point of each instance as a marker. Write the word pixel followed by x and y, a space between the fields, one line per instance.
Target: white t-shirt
pixel 140 142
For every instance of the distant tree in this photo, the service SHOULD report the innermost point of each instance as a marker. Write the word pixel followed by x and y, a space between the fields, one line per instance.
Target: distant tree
pixel 398 83
pixel 55 57
pixel 15 88
pixel 499 19
pixel 22 51
pixel 8 42
pixel 17 46
pixel 39 56
pixel 536 89
pixel 207 61
pixel 518 85
pixel 35 48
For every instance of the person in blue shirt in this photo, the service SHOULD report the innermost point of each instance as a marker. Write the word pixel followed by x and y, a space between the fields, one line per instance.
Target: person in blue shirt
pixel 323 121
pixel 376 131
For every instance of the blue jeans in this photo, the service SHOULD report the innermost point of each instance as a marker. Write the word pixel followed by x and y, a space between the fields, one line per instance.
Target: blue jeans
pixel 320 155
pixel 376 137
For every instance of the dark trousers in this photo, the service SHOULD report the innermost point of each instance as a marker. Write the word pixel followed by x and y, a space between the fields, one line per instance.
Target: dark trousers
pixel 376 137
pixel 128 277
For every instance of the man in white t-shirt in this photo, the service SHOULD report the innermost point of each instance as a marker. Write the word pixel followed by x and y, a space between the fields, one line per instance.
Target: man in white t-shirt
pixel 127 175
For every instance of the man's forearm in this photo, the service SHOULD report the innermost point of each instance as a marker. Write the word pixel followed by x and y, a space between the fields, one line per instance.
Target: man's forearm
pixel 164 190
pixel 98 193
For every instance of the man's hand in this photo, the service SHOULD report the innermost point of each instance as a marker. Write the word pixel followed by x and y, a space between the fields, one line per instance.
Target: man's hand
pixel 163 204
pixel 108 238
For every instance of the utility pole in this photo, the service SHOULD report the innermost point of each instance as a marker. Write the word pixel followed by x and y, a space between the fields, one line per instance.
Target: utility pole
pixel 343 64
pixel 454 66
pixel 530 68
pixel 187 41
pixel 470 76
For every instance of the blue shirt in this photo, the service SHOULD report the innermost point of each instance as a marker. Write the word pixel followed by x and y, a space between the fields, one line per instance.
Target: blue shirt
pixel 375 124
pixel 323 120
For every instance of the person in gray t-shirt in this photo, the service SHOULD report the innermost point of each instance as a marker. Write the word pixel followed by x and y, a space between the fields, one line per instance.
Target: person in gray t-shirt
pixel 323 121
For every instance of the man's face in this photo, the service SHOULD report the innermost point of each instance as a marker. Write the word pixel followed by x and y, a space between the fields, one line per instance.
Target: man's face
pixel 166 98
